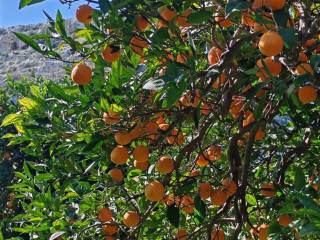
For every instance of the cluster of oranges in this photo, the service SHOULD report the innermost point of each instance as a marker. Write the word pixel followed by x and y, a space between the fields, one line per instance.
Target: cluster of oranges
pixel 271 46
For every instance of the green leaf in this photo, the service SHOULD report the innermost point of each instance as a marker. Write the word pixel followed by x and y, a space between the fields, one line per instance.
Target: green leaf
pixel 29 41
pixel 60 25
pixel 199 16
pixel 299 179
pixel 173 215
pixel 309 229
pixel 289 37
pixel 104 5
pixel 281 17
pixel 44 177
pixel 251 199
pixel 24 3
pixel 11 119
pixel 236 5
pixel 200 208
pixel 28 103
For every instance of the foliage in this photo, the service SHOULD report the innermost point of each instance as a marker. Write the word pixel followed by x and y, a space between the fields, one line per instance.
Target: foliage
pixel 55 179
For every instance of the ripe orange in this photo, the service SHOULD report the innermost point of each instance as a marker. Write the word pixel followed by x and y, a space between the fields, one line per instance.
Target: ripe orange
pixel 303 57
pixel 217 234
pixel 116 174
pixel 166 13
pixel 182 234
pixel 214 55
pixel 220 81
pixel 205 190
pixel 105 215
pixel 259 134
pixel 182 19
pixel 247 20
pixel 230 186
pixel 109 229
pixel 271 44
pixel 284 220
pixel 110 54
pixel 222 21
pixel 164 126
pixel 187 203
pixel 141 153
pixel 205 108
pixel 137 45
pixel 268 190
pixel 273 67
pixel 274 5
pixel 236 106
pixel 195 172
pixel 168 199
pixel 154 191
pixel 81 74
pixel 122 138
pixel 218 197
pixel 137 131
pixel 248 118
pixel 111 117
pixel 201 160
pixel 141 23
pixel 257 4
pixel 119 155
pixel 307 94
pixel 165 165
pixel 151 127
pixel 131 219
pixel 84 14
pixel 141 165
pixel 175 138
pixel 213 153
pixel 263 231
pixel 304 68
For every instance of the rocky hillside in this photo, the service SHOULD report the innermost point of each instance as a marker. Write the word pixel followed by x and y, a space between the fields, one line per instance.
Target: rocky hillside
pixel 19 60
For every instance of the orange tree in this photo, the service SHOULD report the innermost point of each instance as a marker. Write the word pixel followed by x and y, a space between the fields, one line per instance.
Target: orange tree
pixel 180 120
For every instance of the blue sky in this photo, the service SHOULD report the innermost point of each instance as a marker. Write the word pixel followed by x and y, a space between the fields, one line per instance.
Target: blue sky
pixel 10 15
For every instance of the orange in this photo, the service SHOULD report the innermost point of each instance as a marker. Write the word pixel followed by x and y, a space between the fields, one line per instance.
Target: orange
pixel 274 5
pixel 81 74
pixel 247 20
pixel 166 13
pixel 105 215
pixel 151 127
pixel 154 191
pixel 141 165
pixel 217 234
pixel 141 153
pixel 284 220
pixel 214 55
pixel 109 238
pixel 205 190
pixel 271 44
pixel 263 231
pixel 182 234
pixel 222 21
pixel 111 117
pixel 122 138
pixel 110 54
pixel 195 172
pixel 141 22
pixel 116 174
pixel 205 108
pixel 180 138
pixel 236 106
pixel 137 45
pixel 165 165
pixel 188 203
pixel 119 155
pixel 257 4
pixel 218 197
pixel 181 58
pixel 303 57
pixel 268 190
pixel 110 229
pixel 169 199
pixel 230 186
pixel 84 14
pixel 201 161
pixel 273 67
pixel 259 134
pixel 248 118
pixel 307 94
pixel 220 81
pixel 182 19
pixel 213 153
pixel 309 42
pixel 304 68
pixel 131 219
pixel 137 131
pixel 164 126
